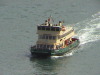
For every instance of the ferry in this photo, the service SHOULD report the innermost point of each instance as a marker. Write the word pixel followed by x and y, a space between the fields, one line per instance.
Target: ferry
pixel 54 39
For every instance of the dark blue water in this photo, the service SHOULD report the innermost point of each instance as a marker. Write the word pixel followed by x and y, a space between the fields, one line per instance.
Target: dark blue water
pixel 18 21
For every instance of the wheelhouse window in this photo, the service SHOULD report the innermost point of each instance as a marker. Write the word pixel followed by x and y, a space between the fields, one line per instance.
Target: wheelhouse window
pixel 48 28
pixel 52 29
pixel 43 28
pixel 39 28
pixel 57 29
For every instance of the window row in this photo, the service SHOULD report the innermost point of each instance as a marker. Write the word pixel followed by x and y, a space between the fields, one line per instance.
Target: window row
pixel 48 28
pixel 47 37
pixel 44 46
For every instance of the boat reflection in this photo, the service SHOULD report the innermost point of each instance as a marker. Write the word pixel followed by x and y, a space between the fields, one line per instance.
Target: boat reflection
pixel 46 65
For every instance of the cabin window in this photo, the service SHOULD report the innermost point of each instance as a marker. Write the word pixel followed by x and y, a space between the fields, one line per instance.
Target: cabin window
pixel 48 28
pixel 43 28
pixel 47 46
pixel 39 28
pixel 40 45
pixel 52 29
pixel 46 37
pixel 37 45
pixel 44 46
pixel 54 37
pixel 50 37
pixel 52 46
pixel 57 29
pixel 43 37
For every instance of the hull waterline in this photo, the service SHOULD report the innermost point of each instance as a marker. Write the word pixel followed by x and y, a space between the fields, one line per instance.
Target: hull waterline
pixel 57 52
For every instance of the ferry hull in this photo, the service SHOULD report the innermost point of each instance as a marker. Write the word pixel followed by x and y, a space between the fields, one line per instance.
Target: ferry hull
pixel 58 52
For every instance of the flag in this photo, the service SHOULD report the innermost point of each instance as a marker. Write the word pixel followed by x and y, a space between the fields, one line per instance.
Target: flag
pixel 48 19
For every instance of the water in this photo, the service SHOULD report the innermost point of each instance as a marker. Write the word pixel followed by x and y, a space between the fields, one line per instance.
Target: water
pixel 18 20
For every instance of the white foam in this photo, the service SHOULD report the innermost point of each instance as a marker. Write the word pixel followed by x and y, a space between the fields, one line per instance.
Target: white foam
pixel 90 31
pixel 65 55
pixel 87 31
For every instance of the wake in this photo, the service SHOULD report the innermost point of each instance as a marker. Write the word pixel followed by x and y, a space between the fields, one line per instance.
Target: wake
pixel 87 31
pixel 65 55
